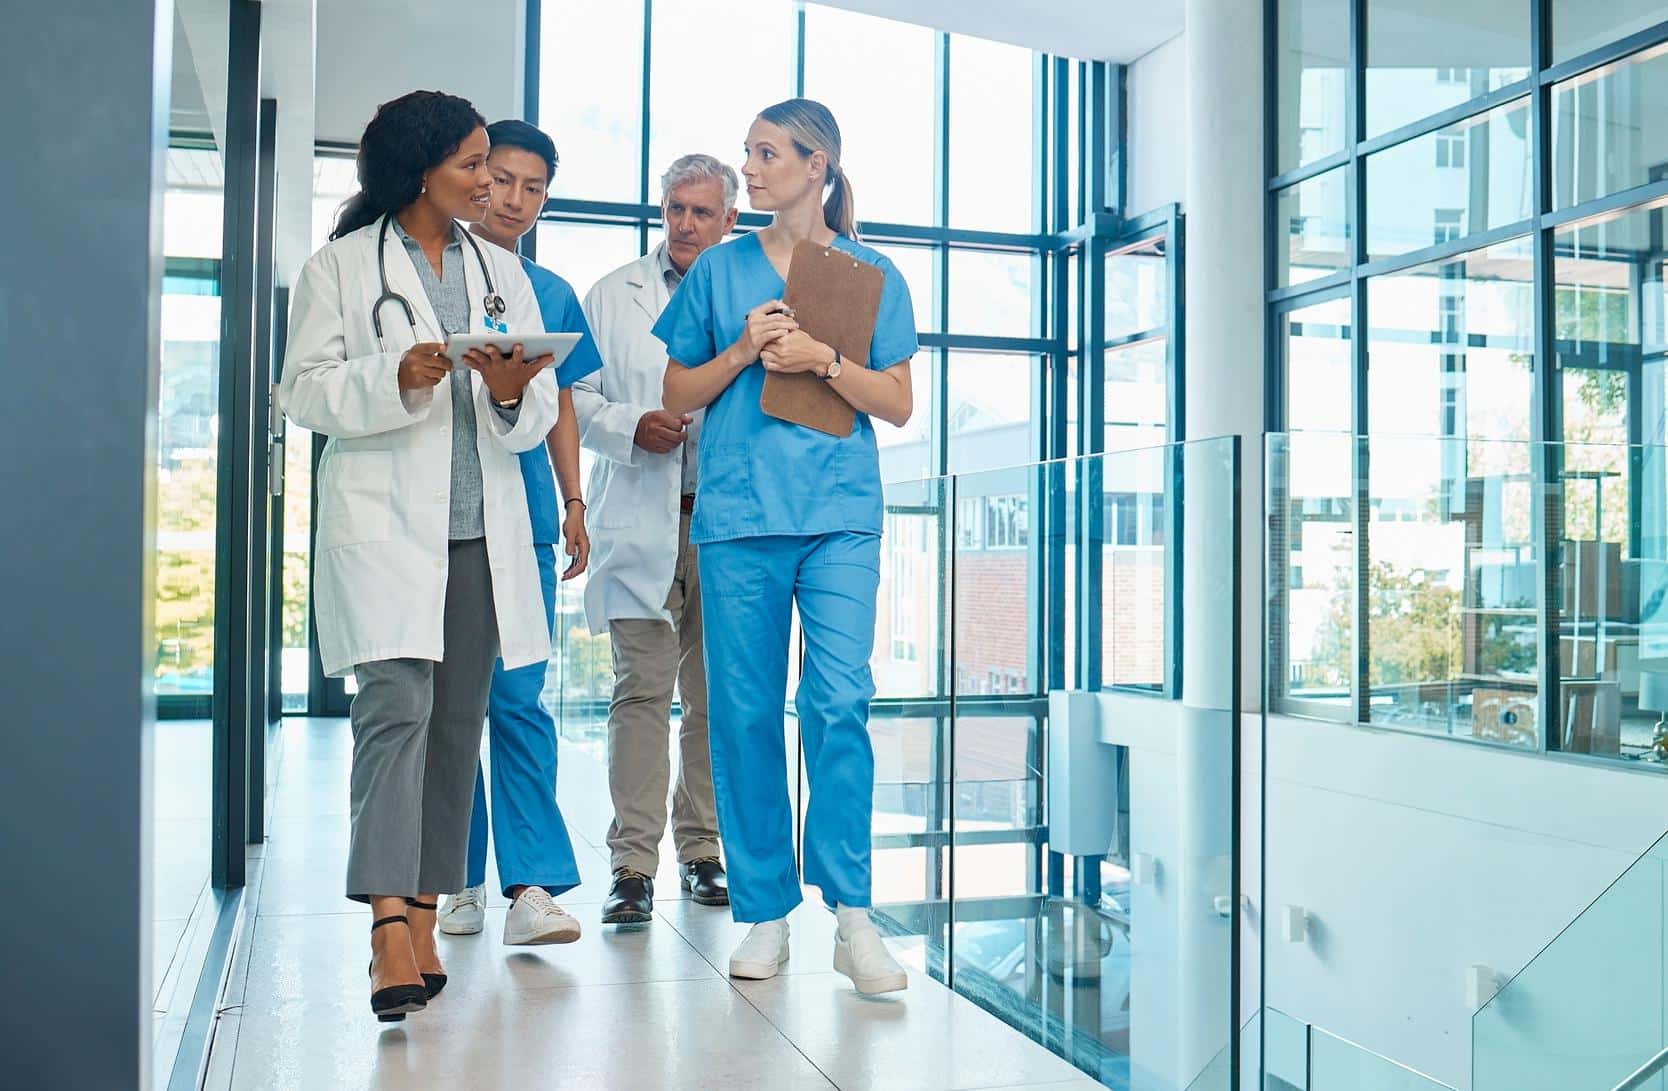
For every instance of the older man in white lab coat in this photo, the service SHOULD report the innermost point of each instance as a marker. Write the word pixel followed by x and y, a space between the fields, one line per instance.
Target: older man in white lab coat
pixel 644 588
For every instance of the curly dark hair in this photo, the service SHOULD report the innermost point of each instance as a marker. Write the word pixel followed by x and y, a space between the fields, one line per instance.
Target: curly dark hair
pixel 408 136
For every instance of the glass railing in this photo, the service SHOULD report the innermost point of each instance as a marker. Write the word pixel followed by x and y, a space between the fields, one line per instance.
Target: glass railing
pixel 1054 804
pixel 1591 1010
pixel 1307 1058
pixel 1502 592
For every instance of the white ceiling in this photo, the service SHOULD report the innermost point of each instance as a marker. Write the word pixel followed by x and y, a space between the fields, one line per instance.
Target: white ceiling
pixel 1092 30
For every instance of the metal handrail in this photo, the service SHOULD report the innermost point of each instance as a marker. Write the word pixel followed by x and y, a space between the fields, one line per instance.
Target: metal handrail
pixel 1650 1068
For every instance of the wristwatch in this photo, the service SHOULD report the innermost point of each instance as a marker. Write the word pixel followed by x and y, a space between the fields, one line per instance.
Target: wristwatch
pixel 833 371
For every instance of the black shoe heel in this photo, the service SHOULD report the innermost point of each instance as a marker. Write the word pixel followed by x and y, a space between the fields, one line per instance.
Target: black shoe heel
pixel 432 983
pixel 391 1005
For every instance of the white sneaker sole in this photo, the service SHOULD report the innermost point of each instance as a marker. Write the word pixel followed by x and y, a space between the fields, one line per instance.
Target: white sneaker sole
pixel 750 970
pixel 869 986
pixel 563 934
pixel 453 927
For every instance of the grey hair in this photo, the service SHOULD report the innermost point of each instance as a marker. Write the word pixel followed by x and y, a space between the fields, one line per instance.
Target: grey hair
pixel 696 168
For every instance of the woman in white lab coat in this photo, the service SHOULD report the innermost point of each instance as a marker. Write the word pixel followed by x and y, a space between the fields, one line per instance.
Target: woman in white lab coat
pixel 424 569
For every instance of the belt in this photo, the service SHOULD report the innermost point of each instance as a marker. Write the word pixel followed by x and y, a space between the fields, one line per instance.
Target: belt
pixel 687 503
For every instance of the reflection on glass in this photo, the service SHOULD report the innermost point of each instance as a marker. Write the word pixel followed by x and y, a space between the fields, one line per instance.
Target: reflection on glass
pixel 591 97
pixel 1451 349
pixel 1580 25
pixel 187 430
pixel 1424 56
pixel 883 123
pixel 583 254
pixel 1451 596
pixel 1468 177
pixel 1136 395
pixel 717 63
pixel 1137 289
pixel 1316 341
pixel 294 671
pixel 1135 534
pixel 1313 60
pixel 989 403
pixel 993 293
pixel 1609 325
pixel 1608 128
pixel 1311 506
pixel 1314 216
pixel 915 264
pixel 993 120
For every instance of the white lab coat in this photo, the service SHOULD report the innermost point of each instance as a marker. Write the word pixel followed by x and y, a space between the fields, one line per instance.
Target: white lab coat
pixel 384 485
pixel 633 514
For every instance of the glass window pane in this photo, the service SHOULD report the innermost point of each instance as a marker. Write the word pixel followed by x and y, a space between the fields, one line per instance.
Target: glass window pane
pixel 1445 185
pixel 1137 289
pixel 906 453
pixel 1451 347
pixel 1134 556
pixel 1136 402
pixel 1612 348
pixel 756 41
pixel 591 97
pixel 334 182
pixel 1318 367
pixel 1451 599
pixel 1314 215
pixel 1424 56
pixel 916 264
pixel 1312 512
pixel 1314 75
pixel 990 410
pixel 583 254
pixel 1582 25
pixel 1609 131
pixel 882 122
pixel 294 676
pixel 993 119
pixel 993 293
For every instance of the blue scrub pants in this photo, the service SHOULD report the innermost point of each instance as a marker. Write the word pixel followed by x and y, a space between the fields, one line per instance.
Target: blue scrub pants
pixel 750 586
pixel 528 833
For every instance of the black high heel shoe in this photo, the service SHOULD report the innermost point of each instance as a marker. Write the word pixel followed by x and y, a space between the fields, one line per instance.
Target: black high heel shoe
pixel 390 1005
pixel 431 982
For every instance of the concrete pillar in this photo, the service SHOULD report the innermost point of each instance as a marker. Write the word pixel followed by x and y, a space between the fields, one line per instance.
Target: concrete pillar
pixel 80 314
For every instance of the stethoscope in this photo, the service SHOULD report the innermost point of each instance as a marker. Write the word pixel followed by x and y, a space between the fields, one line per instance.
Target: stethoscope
pixel 494 303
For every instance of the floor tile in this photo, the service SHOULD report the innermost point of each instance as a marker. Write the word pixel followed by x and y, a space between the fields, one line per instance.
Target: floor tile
pixel 659 1036
pixel 924 1038
pixel 297 958
pixel 711 931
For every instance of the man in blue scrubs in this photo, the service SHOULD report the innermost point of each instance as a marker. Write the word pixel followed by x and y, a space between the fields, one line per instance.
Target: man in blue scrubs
pixel 534 852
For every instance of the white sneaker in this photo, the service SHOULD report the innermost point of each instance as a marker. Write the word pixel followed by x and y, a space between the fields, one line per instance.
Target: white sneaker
pixel 463 913
pixel 535 918
pixel 763 953
pixel 861 956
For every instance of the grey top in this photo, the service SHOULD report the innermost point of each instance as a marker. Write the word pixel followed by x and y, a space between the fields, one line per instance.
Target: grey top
pixel 449 296
pixel 669 273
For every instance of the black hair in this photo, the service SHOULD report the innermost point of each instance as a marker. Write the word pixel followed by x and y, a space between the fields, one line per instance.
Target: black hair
pixel 408 137
pixel 519 134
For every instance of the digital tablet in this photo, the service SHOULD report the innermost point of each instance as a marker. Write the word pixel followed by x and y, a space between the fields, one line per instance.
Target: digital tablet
pixel 533 345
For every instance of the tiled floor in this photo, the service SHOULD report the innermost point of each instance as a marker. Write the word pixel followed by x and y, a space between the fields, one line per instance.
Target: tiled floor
pixel 646 1008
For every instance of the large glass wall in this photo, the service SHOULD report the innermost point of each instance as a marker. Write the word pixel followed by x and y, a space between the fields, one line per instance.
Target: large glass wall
pixel 1466 318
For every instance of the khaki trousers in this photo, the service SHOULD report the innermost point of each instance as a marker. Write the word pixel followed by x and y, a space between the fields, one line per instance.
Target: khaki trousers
pixel 650 656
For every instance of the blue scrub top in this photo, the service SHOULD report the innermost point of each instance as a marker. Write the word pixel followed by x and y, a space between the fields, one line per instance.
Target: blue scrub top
pixel 559 307
pixel 759 475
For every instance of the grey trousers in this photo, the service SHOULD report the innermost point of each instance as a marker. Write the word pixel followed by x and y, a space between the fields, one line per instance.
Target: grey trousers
pixel 649 657
pixel 416 742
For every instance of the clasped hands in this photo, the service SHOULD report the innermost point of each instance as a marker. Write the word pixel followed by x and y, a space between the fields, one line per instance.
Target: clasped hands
pixel 426 363
pixel 775 339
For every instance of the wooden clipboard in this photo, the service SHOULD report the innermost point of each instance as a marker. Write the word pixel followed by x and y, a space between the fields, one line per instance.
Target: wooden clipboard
pixel 835 298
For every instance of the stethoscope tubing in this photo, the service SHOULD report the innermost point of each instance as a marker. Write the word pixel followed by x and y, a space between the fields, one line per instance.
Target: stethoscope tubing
pixel 493 303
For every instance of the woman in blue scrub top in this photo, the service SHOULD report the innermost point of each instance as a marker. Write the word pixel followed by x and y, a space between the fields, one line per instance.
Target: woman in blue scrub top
pixel 788 515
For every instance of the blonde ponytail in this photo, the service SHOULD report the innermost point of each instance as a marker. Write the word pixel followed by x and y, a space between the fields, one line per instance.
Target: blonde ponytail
pixel 813 129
